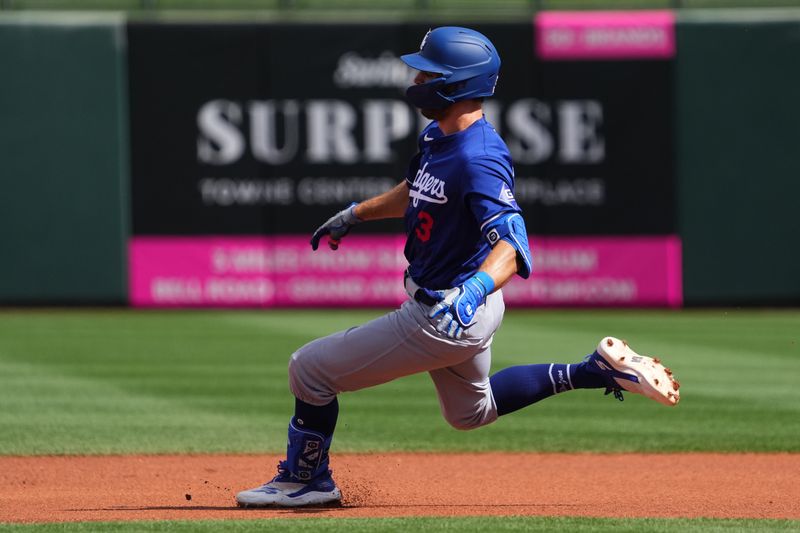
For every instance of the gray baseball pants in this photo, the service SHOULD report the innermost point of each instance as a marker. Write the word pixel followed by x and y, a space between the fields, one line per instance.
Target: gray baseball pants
pixel 402 343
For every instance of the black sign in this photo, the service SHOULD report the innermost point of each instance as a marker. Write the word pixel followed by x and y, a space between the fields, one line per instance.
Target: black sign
pixel 263 128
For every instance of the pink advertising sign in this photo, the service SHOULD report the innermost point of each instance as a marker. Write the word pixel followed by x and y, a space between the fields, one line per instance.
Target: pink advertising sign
pixel 601 271
pixel 562 35
pixel 368 271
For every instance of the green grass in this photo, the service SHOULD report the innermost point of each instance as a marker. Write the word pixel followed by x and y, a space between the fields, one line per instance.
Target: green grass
pixel 120 381
pixel 467 524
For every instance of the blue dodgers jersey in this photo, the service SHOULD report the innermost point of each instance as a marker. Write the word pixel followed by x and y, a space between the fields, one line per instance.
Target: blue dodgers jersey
pixel 456 184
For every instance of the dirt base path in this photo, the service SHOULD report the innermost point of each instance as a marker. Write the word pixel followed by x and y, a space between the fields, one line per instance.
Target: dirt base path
pixel 59 489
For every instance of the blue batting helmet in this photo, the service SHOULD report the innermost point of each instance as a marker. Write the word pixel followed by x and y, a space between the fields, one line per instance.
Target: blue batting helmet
pixel 466 60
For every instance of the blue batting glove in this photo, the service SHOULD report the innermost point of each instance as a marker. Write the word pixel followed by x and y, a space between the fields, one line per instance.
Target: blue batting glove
pixel 337 227
pixel 459 313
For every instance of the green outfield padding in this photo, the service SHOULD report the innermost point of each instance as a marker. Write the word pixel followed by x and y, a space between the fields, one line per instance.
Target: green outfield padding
pixel 63 159
pixel 117 381
pixel 737 155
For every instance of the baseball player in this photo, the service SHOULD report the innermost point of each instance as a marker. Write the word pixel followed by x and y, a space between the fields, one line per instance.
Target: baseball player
pixel 466 239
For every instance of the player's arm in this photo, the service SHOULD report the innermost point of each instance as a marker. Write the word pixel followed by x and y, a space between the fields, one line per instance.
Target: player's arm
pixel 391 204
pixel 501 264
pixel 510 253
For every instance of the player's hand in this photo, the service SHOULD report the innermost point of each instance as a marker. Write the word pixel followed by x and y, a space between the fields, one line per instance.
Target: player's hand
pixel 456 313
pixel 336 227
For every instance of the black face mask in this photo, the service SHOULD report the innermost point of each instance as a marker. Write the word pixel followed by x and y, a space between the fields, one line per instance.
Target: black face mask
pixel 429 95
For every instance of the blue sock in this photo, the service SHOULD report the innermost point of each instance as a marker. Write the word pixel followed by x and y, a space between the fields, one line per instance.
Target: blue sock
pixel 519 386
pixel 321 419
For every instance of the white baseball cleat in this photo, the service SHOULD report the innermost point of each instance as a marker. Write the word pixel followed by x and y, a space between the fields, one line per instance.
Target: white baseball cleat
pixel 625 369
pixel 287 491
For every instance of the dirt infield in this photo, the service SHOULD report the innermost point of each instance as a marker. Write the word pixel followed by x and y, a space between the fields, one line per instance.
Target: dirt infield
pixel 60 489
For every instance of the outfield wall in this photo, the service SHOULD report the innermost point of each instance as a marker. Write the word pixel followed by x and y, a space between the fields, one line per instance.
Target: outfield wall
pixel 678 164
pixel 63 160
pixel 738 156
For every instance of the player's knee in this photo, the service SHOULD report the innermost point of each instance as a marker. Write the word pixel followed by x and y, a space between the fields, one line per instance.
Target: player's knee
pixel 299 376
pixel 305 380
pixel 463 422
pixel 482 413
pixel 296 362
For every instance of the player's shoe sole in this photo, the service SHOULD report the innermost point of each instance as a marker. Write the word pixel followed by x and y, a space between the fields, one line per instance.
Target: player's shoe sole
pixel 291 494
pixel 636 373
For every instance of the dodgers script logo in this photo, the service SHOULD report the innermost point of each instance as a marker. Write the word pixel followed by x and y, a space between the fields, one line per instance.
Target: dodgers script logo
pixel 427 187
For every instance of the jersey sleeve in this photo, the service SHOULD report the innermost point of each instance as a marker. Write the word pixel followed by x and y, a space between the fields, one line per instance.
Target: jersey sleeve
pixel 490 197
pixel 489 189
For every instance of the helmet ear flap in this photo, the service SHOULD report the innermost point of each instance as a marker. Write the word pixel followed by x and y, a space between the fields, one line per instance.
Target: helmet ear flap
pixel 453 88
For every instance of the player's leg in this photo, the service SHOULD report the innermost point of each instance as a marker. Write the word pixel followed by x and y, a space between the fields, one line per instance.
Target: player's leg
pixel 613 366
pixel 465 394
pixel 398 344
pixel 401 343
pixel 469 398
pixel 520 386
pixel 463 388
pixel 303 478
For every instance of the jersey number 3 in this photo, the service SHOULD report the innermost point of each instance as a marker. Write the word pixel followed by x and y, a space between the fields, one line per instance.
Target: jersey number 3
pixel 423 230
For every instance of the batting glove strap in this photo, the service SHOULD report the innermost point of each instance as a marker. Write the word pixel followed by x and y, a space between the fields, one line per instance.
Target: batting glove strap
pixel 470 296
pixel 459 313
